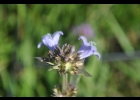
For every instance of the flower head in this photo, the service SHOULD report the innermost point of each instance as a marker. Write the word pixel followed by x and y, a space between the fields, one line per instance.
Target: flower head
pixel 67 59
pixel 70 92
pixel 51 41
pixel 87 49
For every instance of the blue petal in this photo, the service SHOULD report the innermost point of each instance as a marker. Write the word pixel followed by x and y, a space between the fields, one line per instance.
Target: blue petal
pixel 87 49
pixel 56 36
pixel 86 54
pixel 85 44
pixel 47 40
pixel 50 40
pixel 39 45
pixel 97 54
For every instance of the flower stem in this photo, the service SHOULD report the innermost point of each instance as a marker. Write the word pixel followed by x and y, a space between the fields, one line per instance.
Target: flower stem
pixel 65 83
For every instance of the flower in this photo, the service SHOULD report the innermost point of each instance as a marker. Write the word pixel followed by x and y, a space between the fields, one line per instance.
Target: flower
pixel 67 59
pixel 51 41
pixel 84 29
pixel 87 49
pixel 70 92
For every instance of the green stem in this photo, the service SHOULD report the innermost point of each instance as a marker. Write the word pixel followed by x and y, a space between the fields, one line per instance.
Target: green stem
pixel 65 83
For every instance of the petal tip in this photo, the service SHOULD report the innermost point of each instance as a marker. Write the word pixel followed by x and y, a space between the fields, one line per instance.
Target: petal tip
pixel 81 37
pixel 60 32
pixel 39 45
pixel 99 56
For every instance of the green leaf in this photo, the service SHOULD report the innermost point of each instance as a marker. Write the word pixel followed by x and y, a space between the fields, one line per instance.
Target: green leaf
pixel 47 60
pixel 82 71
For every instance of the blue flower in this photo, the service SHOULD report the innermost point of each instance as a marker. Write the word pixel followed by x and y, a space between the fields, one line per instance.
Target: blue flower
pixel 84 29
pixel 87 49
pixel 67 59
pixel 51 41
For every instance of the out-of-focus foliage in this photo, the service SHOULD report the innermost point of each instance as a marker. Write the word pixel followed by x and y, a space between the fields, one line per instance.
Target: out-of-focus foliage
pixel 116 29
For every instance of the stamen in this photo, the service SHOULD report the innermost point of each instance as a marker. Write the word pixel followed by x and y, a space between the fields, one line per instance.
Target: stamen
pixel 92 43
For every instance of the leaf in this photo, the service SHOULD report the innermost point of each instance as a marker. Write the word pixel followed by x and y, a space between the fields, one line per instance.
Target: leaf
pixel 50 63
pixel 82 71
pixel 50 69
pixel 46 60
pixel 56 67
pixel 39 58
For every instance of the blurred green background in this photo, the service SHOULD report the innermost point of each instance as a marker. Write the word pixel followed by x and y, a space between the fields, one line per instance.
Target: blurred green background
pixel 116 33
